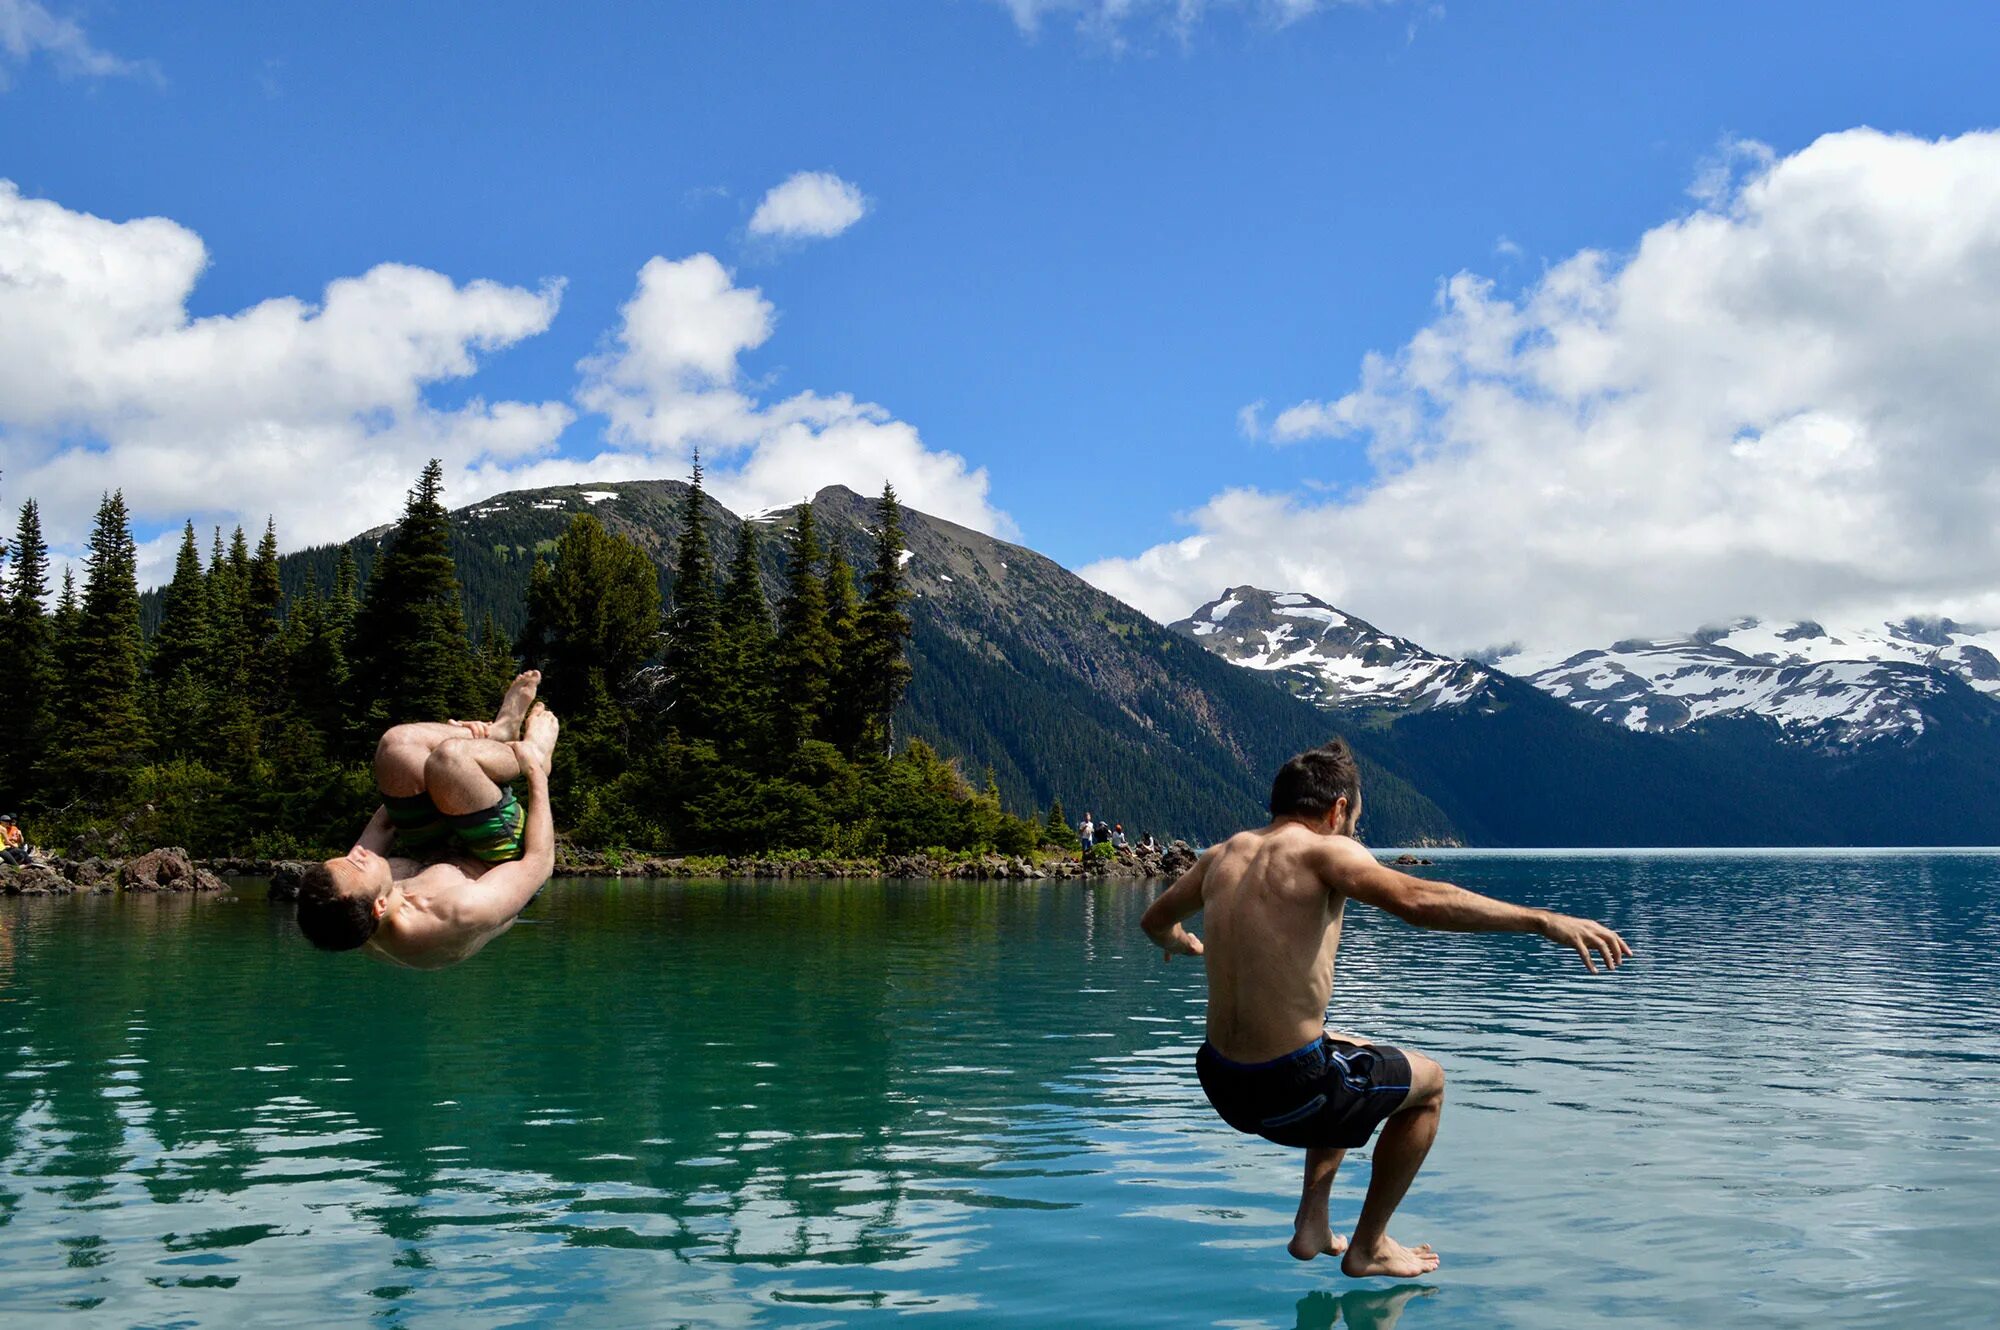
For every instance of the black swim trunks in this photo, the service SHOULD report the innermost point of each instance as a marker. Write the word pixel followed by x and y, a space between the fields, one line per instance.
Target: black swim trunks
pixel 1330 1094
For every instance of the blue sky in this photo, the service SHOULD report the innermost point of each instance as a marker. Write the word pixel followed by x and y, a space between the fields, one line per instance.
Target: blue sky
pixel 1086 249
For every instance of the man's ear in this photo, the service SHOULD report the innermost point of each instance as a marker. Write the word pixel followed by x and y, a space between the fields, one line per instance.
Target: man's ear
pixel 382 905
pixel 1336 816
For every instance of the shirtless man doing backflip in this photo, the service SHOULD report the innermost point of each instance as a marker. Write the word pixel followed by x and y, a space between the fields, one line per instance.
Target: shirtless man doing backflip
pixel 445 796
pixel 1272 901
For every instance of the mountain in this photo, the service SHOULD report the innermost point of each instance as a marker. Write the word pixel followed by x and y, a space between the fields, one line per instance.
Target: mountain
pixel 1706 744
pixel 1844 687
pixel 1018 664
pixel 1330 658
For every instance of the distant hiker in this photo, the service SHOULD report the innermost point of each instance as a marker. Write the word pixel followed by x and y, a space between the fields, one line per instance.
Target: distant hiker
pixel 1118 837
pixel 1086 831
pixel 1151 846
pixel 1273 899
pixel 442 794
pixel 13 844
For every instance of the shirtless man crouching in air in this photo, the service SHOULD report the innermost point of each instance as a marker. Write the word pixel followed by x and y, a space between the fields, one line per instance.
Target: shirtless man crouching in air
pixel 1273 899
pixel 444 793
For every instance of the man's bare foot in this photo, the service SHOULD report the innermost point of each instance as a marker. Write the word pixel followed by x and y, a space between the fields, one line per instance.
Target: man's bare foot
pixel 506 726
pixel 1388 1257
pixel 1308 1242
pixel 541 730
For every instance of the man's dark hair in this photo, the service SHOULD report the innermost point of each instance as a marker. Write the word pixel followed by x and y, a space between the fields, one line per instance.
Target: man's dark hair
pixel 331 920
pixel 1309 784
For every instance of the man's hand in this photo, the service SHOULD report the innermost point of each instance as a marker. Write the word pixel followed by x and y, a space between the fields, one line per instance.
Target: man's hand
pixel 1180 942
pixel 1583 934
pixel 480 729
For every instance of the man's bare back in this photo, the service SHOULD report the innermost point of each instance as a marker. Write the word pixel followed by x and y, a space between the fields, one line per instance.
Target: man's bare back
pixel 1273 900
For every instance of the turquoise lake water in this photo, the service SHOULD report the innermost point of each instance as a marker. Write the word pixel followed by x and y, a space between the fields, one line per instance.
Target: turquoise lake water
pixel 822 1104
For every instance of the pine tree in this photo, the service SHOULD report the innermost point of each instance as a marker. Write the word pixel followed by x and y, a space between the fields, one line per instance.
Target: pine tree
pixel 1057 831
pixel 497 665
pixel 316 662
pixel 183 707
pixel 593 616
pixel 694 625
pixel 102 733
pixel 264 592
pixel 846 716
pixel 410 650
pixel 182 637
pixel 28 660
pixel 746 648
pixel 876 671
pixel 805 648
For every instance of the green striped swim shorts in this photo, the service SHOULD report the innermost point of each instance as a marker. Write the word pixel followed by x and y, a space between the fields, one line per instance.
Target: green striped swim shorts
pixel 494 836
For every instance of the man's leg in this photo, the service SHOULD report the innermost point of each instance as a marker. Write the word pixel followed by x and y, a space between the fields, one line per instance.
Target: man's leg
pixel 405 750
pixel 1312 1232
pixel 1399 1152
pixel 464 775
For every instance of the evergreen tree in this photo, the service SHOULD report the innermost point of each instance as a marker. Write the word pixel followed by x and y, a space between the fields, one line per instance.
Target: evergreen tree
pixel 497 666
pixel 746 649
pixel 1057 831
pixel 410 650
pixel 805 648
pixel 102 733
pixel 876 671
pixel 316 662
pixel 846 714
pixel 264 592
pixel 182 637
pixel 593 616
pixel 182 720
pixel 27 657
pixel 694 625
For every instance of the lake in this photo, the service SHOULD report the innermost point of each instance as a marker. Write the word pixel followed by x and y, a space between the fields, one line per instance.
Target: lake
pixel 816 1104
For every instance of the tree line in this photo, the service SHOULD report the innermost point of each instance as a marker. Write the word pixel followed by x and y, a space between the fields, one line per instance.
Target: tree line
pixel 713 722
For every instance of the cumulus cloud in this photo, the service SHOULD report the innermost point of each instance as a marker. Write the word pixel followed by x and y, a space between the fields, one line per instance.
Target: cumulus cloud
pixel 1780 404
pixel 28 29
pixel 670 382
pixel 314 413
pixel 321 414
pixel 809 205
pixel 1111 19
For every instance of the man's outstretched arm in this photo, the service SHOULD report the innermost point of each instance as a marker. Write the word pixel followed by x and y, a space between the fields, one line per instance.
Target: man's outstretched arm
pixel 504 890
pixel 1162 920
pixel 379 834
pixel 1448 908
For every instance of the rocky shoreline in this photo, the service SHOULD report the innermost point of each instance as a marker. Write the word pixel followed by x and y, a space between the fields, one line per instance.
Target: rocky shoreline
pixel 172 870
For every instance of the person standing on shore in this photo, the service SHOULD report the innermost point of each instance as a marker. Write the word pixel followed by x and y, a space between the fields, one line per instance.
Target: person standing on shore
pixel 1273 900
pixel 1086 831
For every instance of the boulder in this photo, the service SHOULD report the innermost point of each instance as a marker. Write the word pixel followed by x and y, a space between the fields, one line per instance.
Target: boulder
pixel 167 869
pixel 286 875
pixel 34 880
pixel 94 872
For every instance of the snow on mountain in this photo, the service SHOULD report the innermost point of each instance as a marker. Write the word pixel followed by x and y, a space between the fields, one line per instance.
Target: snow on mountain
pixel 1842 686
pixel 1330 658
pixel 1671 683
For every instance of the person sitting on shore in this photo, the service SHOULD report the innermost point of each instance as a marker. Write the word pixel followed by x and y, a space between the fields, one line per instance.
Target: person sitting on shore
pixel 1273 899
pixel 444 797
pixel 13 843
pixel 1118 841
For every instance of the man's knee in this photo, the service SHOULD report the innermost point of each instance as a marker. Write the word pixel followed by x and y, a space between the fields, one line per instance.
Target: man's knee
pixel 452 755
pixel 1426 1080
pixel 399 764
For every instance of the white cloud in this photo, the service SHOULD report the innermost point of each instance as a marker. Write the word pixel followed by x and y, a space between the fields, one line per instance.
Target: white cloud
pixel 1109 20
pixel 320 414
pixel 28 29
pixel 1780 404
pixel 809 205
pixel 670 383
pixel 315 414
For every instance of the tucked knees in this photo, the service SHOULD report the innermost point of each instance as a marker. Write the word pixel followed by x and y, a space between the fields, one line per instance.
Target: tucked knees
pixel 400 757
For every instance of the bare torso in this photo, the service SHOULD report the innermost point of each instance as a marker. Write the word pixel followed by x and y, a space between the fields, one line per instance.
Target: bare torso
pixel 423 928
pixel 1272 930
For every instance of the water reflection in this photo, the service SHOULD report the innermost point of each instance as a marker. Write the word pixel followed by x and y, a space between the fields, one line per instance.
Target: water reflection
pixel 793 1104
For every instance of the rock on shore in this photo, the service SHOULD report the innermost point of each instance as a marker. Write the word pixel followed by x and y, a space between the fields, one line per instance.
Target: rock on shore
pixel 168 869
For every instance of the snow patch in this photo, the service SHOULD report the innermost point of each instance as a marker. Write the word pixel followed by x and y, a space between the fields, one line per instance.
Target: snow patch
pixel 599 496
